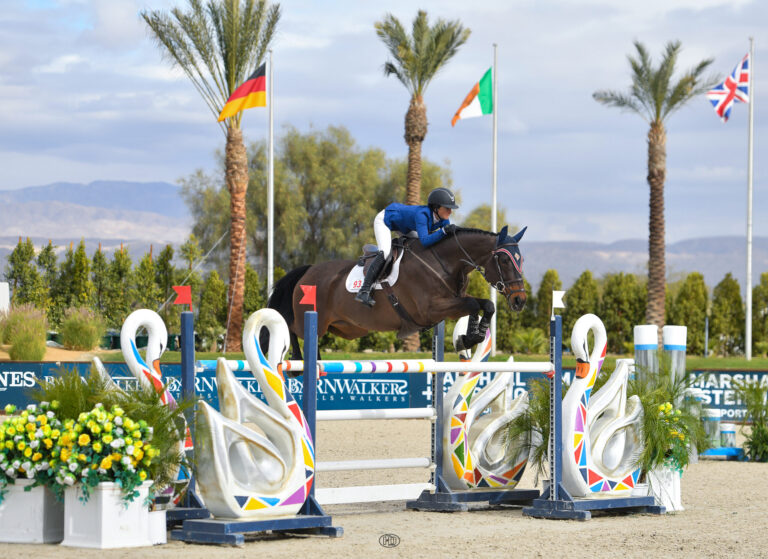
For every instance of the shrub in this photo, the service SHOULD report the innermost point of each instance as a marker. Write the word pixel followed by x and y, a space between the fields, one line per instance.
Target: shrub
pixel 754 397
pixel 23 317
pixel 27 344
pixel 81 329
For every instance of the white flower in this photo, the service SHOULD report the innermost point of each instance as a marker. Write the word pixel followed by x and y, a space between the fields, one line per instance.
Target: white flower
pixel 129 449
pixel 31 407
pixel 34 444
pixel 44 466
pixel 17 438
pixel 73 467
pixel 102 471
pixel 118 420
pixel 126 460
pixel 150 430
pixel 10 472
pixel 50 414
pixel 39 434
pixel 117 443
pixel 69 480
pixel 119 431
pixel 16 464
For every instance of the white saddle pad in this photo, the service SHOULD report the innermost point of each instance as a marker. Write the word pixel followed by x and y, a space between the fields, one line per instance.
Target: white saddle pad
pixel 356 277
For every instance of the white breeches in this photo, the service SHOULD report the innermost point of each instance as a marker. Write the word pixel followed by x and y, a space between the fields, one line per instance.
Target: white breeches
pixel 383 234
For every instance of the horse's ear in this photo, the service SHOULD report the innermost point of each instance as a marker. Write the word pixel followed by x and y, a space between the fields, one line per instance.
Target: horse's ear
pixel 502 236
pixel 519 235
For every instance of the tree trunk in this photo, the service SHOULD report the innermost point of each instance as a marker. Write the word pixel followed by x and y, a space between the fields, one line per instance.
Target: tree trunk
pixel 657 171
pixel 236 161
pixel 415 131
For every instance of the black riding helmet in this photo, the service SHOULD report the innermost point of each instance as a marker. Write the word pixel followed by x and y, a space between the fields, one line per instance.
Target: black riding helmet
pixel 441 197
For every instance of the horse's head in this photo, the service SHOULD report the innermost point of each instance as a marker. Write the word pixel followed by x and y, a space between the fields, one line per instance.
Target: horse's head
pixel 506 274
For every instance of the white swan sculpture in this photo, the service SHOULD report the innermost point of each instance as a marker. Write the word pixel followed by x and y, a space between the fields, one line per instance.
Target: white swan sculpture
pixel 242 473
pixel 601 431
pixel 476 453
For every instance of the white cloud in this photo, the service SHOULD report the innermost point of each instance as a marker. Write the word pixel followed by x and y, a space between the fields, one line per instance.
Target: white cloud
pixel 61 64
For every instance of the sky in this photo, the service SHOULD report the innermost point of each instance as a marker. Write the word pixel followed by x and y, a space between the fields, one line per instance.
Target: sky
pixel 86 95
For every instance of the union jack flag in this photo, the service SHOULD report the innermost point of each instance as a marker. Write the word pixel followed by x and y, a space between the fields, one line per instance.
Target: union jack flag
pixel 734 88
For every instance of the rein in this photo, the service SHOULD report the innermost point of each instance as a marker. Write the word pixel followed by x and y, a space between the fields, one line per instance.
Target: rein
pixel 502 284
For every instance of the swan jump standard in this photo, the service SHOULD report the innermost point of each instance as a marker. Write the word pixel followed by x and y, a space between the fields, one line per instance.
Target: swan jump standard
pixel 555 501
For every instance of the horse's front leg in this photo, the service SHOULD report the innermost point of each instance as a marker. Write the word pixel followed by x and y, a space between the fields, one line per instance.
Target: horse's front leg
pixel 478 325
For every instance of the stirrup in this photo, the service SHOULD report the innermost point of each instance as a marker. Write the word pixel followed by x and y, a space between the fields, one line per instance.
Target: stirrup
pixel 365 298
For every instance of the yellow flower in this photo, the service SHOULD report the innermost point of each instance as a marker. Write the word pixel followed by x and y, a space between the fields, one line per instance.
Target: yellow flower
pixel 96 430
pixel 128 440
pixel 48 443
pixel 65 454
pixel 11 431
pixel 106 463
pixel 42 420
pixel 138 453
pixel 31 427
pixel 66 439
pixel 107 439
pixel 27 452
pixel 9 444
pixel 97 446
pixel 108 427
pixel 138 444
pixel 55 434
pixel 82 457
pixel 116 456
pixel 142 475
pixel 136 434
pixel 83 439
pixel 118 411
pixel 21 445
pixel 36 456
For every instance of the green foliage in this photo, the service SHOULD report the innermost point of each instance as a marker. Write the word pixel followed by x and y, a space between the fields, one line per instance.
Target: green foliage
pixel 671 415
pixel 146 293
pixel 166 276
pixel 24 328
pixel 508 322
pixel 480 218
pixel 81 328
pixel 580 299
pixel 549 282
pixel 530 341
pixel 100 281
pixel 727 322
pixel 255 291
pixel 755 400
pixel 689 309
pixel 417 57
pixel 21 273
pixel 77 395
pixel 382 341
pixel 760 315
pixel 212 315
pixel 622 307
pixel 118 303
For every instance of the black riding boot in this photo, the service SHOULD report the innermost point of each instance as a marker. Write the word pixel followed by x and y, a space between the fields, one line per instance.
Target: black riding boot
pixel 364 295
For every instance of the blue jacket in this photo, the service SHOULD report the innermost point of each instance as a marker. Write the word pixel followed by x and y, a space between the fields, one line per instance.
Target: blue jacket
pixel 403 218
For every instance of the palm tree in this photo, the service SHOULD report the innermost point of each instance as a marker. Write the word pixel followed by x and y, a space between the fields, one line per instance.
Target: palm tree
pixel 417 59
pixel 654 96
pixel 218 45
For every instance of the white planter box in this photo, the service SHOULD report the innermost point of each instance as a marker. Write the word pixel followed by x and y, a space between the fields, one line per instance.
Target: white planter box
pixel 158 531
pixel 104 521
pixel 31 516
pixel 664 484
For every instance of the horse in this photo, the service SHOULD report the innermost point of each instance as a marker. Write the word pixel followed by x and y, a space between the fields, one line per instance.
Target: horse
pixel 431 287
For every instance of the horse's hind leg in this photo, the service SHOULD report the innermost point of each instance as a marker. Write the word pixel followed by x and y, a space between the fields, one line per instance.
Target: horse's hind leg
pixel 295 348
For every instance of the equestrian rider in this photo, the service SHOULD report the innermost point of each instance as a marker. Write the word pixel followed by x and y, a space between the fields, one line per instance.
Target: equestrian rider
pixel 429 223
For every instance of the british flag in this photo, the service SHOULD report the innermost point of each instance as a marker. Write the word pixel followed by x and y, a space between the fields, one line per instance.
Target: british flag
pixel 734 88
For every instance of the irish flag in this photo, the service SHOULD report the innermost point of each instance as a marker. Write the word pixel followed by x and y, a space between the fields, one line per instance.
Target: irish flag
pixel 252 93
pixel 479 102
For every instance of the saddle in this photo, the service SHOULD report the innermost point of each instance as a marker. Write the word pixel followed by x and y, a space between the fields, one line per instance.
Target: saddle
pixel 370 252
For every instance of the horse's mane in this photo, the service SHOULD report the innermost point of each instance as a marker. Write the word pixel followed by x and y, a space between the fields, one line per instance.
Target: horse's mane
pixel 463 230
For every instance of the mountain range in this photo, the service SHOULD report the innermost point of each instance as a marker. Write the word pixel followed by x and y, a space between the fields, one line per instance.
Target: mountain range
pixel 138 215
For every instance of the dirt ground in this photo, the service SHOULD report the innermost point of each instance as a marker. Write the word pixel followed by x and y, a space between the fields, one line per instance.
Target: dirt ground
pixel 56 354
pixel 726 515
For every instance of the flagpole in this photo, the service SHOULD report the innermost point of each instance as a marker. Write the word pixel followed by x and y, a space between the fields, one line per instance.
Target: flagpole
pixel 494 225
pixel 271 181
pixel 748 329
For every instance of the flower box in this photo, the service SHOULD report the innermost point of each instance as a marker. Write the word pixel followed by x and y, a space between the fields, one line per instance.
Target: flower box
pixel 158 530
pixel 664 484
pixel 33 516
pixel 105 520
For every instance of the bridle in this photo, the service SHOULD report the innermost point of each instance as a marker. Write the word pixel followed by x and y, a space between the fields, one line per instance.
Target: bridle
pixel 502 285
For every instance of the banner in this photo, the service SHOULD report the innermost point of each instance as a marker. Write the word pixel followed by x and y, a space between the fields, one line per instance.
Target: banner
pixel 339 391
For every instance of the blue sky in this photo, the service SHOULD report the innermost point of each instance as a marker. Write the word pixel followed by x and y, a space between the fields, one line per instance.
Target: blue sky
pixel 85 95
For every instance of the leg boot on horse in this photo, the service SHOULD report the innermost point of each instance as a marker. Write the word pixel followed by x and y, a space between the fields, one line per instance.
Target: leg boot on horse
pixel 364 295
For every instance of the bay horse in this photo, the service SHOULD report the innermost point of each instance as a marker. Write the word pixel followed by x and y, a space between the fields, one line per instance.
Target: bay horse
pixel 431 287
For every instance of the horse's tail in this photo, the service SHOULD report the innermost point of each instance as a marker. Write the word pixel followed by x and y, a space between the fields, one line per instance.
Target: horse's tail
pixel 281 298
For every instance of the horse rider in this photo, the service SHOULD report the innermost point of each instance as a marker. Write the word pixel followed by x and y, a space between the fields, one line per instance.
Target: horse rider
pixel 429 223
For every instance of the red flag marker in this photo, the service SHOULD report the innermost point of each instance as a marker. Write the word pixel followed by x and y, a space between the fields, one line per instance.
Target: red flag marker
pixel 310 296
pixel 183 295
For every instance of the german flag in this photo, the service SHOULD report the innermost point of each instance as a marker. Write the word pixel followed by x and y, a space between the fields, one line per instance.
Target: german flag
pixel 252 93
